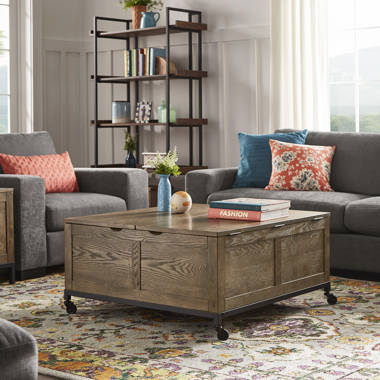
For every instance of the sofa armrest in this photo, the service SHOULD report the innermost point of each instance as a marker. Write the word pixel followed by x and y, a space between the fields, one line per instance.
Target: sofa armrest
pixel 128 184
pixel 201 183
pixel 29 220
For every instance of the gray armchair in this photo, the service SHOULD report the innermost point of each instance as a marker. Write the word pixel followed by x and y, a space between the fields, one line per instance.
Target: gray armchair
pixel 39 217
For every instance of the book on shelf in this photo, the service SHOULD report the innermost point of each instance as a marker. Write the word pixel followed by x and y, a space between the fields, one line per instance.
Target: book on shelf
pixel 251 216
pixel 142 61
pixel 251 204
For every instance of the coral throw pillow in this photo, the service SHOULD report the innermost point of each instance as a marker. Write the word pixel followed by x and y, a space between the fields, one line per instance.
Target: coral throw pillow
pixel 300 167
pixel 56 169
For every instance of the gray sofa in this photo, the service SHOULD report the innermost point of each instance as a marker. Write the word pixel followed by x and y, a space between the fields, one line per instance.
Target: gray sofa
pixel 39 217
pixel 354 205
pixel 18 353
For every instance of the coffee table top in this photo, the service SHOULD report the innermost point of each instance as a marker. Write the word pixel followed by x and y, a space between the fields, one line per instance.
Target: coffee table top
pixel 194 222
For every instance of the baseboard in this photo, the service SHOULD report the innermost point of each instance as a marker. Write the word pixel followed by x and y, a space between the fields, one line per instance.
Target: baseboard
pixel 358 275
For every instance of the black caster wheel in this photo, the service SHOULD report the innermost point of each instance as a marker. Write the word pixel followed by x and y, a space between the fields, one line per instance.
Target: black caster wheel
pixel 331 299
pixel 222 334
pixel 70 307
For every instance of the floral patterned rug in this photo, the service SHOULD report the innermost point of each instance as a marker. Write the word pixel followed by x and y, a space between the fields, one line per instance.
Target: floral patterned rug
pixel 300 338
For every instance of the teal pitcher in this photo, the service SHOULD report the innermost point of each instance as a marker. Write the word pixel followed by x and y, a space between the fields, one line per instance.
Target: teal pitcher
pixel 149 20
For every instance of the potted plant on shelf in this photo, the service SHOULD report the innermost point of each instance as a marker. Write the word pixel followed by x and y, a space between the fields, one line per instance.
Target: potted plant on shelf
pixel 130 147
pixel 165 167
pixel 139 6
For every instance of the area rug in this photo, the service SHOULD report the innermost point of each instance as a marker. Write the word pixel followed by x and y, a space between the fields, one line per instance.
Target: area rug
pixel 300 338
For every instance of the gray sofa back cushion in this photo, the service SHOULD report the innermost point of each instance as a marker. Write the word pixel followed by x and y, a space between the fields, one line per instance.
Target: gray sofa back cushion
pixel 26 144
pixel 355 164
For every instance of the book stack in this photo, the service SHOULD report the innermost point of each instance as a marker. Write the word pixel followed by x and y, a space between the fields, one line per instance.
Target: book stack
pixel 249 209
pixel 141 62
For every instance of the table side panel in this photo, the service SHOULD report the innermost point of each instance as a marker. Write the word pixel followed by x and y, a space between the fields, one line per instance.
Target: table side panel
pixel 274 262
pixel 138 265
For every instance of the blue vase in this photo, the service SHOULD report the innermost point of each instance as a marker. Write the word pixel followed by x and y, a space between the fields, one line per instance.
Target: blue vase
pixel 130 161
pixel 164 193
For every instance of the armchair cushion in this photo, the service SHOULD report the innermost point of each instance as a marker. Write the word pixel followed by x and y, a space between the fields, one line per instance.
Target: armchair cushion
pixel 64 205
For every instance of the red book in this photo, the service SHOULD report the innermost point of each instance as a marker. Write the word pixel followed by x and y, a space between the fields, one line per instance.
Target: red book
pixel 252 216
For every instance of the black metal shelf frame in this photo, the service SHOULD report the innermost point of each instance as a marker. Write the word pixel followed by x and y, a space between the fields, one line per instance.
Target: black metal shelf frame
pixel 192 14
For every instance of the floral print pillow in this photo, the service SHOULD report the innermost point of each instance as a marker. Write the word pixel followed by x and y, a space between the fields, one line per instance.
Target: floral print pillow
pixel 300 167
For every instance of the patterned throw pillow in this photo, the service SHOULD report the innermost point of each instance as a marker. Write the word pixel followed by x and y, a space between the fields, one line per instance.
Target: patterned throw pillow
pixel 56 169
pixel 300 167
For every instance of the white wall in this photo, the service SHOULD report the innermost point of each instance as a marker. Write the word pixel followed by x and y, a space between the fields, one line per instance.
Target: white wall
pixel 236 93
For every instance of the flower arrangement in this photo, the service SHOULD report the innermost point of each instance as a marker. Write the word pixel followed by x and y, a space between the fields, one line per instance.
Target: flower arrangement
pixel 129 143
pixel 150 4
pixel 166 165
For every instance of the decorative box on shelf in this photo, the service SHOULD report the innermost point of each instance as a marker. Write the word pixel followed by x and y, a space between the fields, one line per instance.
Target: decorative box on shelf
pixel 148 156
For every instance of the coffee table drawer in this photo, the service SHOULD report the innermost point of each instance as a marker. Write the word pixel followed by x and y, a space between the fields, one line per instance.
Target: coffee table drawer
pixel 105 260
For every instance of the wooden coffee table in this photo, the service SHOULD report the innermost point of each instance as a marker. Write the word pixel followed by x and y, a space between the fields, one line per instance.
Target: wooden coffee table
pixel 191 264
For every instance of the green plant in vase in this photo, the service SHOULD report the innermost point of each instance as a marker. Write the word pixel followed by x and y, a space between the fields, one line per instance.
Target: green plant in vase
pixel 130 147
pixel 165 167
pixel 139 6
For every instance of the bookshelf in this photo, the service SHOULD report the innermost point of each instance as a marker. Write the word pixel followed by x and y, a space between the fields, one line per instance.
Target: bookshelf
pixel 192 27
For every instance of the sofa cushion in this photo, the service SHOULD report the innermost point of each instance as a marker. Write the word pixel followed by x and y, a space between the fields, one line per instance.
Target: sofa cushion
pixel 363 216
pixel 18 353
pixel 300 200
pixel 64 205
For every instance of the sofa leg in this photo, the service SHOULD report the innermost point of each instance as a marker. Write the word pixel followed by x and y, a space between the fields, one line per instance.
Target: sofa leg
pixel 30 273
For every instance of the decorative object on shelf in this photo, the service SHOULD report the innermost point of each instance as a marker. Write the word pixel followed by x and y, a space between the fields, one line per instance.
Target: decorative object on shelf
pixel 121 111
pixel 165 167
pixel 180 202
pixel 148 157
pixel 162 66
pixel 161 110
pixel 139 6
pixel 148 19
pixel 130 147
pixel 143 112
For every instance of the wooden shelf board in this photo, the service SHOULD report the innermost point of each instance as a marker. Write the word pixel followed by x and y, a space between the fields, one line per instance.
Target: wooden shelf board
pixel 179 27
pixel 179 123
pixel 185 74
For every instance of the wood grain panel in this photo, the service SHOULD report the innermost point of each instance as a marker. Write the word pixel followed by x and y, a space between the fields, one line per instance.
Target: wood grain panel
pixel 271 292
pixel 10 225
pixel 249 267
pixel 3 228
pixel 327 249
pixel 3 259
pixel 274 232
pixel 173 264
pixel 212 274
pixel 68 257
pixel 104 259
pixel 302 255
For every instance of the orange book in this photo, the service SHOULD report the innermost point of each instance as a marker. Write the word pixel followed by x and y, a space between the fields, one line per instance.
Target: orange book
pixel 252 216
